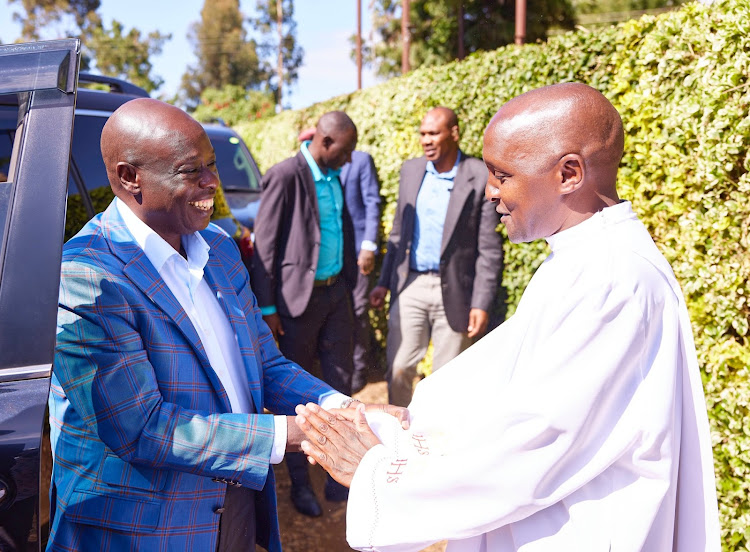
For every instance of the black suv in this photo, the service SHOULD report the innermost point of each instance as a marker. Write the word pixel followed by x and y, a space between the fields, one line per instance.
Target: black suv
pixel 46 160
pixel 88 188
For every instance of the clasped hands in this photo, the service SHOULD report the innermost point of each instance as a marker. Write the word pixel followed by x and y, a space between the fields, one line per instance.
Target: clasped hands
pixel 338 439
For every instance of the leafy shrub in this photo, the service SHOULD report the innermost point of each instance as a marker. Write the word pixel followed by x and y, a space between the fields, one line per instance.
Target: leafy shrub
pixel 680 82
pixel 233 104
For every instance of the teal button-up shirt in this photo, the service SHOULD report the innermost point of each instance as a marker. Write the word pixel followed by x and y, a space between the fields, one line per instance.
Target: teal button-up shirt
pixel 330 206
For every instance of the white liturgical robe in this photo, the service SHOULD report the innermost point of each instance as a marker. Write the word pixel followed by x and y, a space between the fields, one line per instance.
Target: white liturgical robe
pixel 577 425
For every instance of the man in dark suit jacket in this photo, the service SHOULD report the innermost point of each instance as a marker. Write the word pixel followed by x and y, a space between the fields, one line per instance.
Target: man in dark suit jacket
pixel 163 364
pixel 443 262
pixel 362 193
pixel 304 269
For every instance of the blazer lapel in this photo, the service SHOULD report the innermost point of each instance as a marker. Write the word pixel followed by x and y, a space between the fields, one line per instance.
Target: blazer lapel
pixel 144 276
pixel 462 187
pixel 309 184
pixel 219 283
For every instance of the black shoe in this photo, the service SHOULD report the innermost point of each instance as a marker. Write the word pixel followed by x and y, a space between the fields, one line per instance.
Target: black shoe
pixel 335 491
pixel 305 502
pixel 359 380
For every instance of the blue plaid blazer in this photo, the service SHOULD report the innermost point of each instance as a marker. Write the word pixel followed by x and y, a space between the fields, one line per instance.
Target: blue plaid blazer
pixel 140 424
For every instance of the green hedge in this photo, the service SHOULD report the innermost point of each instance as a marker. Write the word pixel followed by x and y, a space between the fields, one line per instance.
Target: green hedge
pixel 680 81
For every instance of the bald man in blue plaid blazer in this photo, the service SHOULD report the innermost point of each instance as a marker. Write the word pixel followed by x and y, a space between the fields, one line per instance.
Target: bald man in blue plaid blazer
pixel 145 441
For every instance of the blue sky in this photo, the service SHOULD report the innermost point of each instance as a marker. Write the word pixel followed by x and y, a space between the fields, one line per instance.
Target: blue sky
pixel 323 30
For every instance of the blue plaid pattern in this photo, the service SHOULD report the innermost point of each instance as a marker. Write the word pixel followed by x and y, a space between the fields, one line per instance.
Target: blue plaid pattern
pixel 141 424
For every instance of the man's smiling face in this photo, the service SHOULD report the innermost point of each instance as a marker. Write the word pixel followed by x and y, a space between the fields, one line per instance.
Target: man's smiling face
pixel 178 181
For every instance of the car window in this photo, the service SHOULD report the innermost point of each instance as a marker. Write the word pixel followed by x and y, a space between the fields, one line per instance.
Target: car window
pixel 236 168
pixel 8 118
pixel 87 165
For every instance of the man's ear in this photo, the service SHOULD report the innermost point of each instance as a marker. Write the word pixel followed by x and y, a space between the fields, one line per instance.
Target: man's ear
pixel 127 174
pixel 454 133
pixel 327 141
pixel 571 173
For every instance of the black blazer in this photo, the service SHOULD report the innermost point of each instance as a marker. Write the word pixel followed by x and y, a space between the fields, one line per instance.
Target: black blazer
pixel 287 239
pixel 471 257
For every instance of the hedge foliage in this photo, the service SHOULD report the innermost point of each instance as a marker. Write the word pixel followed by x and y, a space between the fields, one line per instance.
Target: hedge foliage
pixel 680 82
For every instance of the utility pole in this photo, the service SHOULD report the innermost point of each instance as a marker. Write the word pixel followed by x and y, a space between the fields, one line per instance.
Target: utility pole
pixel 461 51
pixel 520 21
pixel 280 63
pixel 405 37
pixel 359 44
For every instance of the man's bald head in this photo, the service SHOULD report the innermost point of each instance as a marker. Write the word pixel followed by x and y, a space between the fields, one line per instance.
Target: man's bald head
pixel 567 118
pixel 131 131
pixel 334 122
pixel 445 115
pixel 334 140
pixel 568 137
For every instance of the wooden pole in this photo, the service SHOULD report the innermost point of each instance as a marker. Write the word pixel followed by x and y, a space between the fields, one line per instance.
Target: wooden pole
pixel 520 21
pixel 405 37
pixel 280 63
pixel 461 51
pixel 359 44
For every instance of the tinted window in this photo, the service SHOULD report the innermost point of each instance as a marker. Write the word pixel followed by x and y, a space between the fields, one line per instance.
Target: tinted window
pixel 236 168
pixel 8 118
pixel 87 133
pixel 88 163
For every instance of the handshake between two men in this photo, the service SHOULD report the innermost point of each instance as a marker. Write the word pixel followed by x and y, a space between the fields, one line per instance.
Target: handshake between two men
pixel 338 439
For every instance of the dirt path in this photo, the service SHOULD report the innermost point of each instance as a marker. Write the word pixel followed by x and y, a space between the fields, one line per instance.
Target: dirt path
pixel 328 532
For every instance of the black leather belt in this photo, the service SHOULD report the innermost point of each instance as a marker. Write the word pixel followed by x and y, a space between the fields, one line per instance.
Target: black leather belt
pixel 327 282
pixel 433 272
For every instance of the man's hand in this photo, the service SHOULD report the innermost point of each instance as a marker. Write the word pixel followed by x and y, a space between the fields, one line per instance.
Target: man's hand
pixel 377 296
pixel 478 320
pixel 366 261
pixel 274 324
pixel 399 412
pixel 335 443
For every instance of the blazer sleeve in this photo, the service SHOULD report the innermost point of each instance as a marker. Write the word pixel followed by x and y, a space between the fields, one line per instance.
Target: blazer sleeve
pixel 268 225
pixel 489 262
pixel 370 190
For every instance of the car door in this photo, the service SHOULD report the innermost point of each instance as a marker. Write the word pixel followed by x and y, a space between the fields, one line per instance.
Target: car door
pixel 41 77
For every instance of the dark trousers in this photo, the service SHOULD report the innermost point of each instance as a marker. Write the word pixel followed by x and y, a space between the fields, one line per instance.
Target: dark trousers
pixel 237 525
pixel 324 332
pixel 363 357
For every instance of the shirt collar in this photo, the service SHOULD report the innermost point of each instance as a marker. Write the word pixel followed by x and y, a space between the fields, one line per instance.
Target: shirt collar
pixel 316 172
pixel 156 249
pixel 449 175
pixel 593 226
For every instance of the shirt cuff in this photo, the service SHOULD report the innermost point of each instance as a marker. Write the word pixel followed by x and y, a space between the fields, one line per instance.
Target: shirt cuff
pixel 270 309
pixel 279 439
pixel 332 400
pixel 367 245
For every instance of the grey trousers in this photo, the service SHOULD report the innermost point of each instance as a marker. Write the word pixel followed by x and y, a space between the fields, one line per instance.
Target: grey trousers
pixel 416 316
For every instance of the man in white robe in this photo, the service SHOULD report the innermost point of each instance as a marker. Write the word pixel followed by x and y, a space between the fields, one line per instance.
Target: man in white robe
pixel 577 425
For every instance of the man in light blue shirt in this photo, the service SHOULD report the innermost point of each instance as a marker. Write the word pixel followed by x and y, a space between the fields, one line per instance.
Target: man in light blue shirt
pixel 444 257
pixel 305 268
